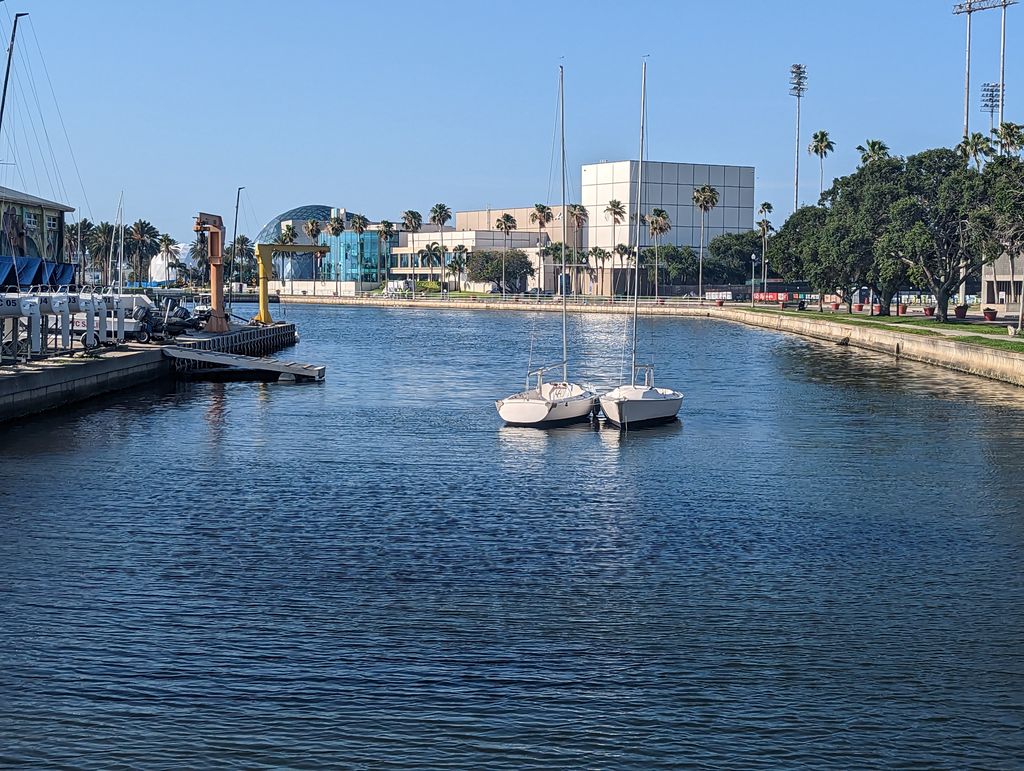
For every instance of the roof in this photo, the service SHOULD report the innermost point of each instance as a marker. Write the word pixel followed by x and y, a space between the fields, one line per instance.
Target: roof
pixel 8 195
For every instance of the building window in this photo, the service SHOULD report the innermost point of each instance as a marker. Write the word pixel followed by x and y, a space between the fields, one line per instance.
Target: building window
pixel 51 222
pixel 31 220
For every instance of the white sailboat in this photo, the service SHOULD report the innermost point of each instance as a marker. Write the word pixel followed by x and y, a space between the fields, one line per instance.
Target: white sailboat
pixel 640 404
pixel 559 402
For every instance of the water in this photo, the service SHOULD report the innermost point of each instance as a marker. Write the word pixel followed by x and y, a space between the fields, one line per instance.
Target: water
pixel 820 566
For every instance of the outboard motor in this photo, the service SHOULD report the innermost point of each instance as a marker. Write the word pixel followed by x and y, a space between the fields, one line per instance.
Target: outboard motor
pixel 101 308
pixel 16 306
pixel 58 305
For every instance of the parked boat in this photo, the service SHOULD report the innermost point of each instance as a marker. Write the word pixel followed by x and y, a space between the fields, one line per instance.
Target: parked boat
pixel 643 404
pixel 561 402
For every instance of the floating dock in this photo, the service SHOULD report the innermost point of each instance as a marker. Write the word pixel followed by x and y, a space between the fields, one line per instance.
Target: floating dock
pixel 46 384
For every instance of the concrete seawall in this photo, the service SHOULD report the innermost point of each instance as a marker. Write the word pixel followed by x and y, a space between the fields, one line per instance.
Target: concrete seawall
pixel 992 363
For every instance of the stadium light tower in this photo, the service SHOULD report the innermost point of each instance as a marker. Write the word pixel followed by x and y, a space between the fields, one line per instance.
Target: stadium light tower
pixel 990 102
pixel 966 8
pixel 797 88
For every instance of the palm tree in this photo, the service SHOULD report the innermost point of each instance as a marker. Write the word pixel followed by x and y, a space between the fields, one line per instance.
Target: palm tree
pixel 359 224
pixel 439 216
pixel 821 145
pixel 142 240
pixel 101 239
pixel 623 251
pixel 540 216
pixel 599 256
pixel 458 264
pixel 578 216
pixel 335 227
pixel 167 248
pixel 412 221
pixel 199 252
pixel 1010 137
pixel 242 252
pixel 873 150
pixel 705 198
pixel 617 213
pixel 288 235
pixel 765 227
pixel 506 224
pixel 385 230
pixel 75 234
pixel 433 253
pixel 312 230
pixel 975 147
pixel 659 224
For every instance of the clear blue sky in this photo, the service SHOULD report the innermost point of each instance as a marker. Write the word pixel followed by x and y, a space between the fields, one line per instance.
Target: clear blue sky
pixel 380 107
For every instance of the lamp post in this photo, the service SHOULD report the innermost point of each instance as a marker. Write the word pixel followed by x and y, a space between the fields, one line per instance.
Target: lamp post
pixel 753 263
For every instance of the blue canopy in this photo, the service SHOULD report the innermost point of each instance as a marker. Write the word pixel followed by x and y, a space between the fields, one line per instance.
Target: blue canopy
pixel 26 272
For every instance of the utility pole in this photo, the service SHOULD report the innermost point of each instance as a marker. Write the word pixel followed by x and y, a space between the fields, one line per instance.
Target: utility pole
pixel 798 86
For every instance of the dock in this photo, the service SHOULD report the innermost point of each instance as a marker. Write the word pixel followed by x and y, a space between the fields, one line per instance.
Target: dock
pixel 49 383
pixel 286 370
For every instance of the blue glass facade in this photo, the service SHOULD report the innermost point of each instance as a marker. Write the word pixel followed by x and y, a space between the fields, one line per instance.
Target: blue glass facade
pixel 352 257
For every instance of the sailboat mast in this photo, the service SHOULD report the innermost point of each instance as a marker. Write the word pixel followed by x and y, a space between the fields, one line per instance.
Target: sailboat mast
pixel 7 72
pixel 565 224
pixel 639 209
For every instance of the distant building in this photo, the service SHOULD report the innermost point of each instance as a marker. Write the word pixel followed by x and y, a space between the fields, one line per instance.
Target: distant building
pixel 32 241
pixel 998 287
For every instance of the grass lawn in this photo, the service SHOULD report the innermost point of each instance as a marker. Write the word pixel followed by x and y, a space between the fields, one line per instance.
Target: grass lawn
pixel 852 321
pixel 1006 344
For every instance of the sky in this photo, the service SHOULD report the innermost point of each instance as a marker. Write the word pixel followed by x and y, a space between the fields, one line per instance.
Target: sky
pixel 379 107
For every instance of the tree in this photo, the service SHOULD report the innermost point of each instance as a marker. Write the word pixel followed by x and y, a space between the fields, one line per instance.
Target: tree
pixel 599 256
pixel 795 253
pixel 312 230
pixel 873 150
pixel 439 216
pixel 487 266
pixel 506 224
pixel 616 212
pixel 199 253
pixel 975 147
pixel 385 230
pixel 943 228
pixel 764 225
pixel 1005 178
pixel 433 253
pixel 821 145
pixel 729 257
pixel 1010 137
pixel 659 224
pixel 540 216
pixel 76 233
pixel 142 243
pixel 359 224
pixel 412 221
pixel 623 252
pixel 705 198
pixel 242 259
pixel 458 264
pixel 578 216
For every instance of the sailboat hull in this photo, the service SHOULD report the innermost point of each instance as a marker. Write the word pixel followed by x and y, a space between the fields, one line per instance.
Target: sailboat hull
pixel 554 404
pixel 638 406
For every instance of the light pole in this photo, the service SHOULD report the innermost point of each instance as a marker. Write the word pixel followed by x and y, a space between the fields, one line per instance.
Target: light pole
pixel 753 262
pixel 797 88
pixel 990 102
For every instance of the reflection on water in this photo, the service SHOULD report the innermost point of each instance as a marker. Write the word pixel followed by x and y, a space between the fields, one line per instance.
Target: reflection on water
pixel 817 566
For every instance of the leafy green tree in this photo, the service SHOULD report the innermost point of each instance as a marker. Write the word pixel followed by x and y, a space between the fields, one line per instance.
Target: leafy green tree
pixel 821 145
pixel 705 198
pixel 729 257
pixel 1005 178
pixel 487 266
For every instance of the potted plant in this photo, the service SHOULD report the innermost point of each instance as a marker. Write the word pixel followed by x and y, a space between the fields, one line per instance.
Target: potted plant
pixel 834 306
pixel 990 314
pixel 929 310
pixel 876 309
pixel 901 309
pixel 719 303
pixel 960 311
pixel 858 307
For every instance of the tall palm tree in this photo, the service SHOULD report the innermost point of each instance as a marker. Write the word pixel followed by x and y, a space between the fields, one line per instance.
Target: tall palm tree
pixel 385 230
pixel 167 248
pixel 659 224
pixel 821 145
pixel 242 253
pixel 974 147
pixel 199 252
pixel 1010 137
pixel 101 239
pixel 288 235
pixel 540 216
pixel 335 227
pixel 578 216
pixel 412 221
pixel 142 240
pixel 616 212
pixel 439 216
pixel 358 224
pixel 312 229
pixel 506 224
pixel 458 265
pixel 76 233
pixel 873 150
pixel 705 198
pixel 765 227
pixel 623 251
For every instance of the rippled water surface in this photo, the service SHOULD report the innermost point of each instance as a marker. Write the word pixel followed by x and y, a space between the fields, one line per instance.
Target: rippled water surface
pixel 821 565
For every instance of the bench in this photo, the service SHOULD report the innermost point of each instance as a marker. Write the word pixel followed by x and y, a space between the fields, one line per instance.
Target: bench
pixel 793 305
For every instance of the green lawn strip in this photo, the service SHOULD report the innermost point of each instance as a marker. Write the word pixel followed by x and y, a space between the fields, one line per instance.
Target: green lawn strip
pixel 851 321
pixel 1007 344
